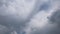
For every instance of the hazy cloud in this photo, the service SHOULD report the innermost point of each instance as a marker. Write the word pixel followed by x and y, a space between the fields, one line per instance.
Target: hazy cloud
pixel 30 16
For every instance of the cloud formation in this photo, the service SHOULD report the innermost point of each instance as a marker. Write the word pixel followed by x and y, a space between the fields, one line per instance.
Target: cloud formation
pixel 15 13
pixel 30 16
pixel 41 24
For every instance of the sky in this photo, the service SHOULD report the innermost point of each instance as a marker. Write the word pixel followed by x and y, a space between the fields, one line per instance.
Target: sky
pixel 29 16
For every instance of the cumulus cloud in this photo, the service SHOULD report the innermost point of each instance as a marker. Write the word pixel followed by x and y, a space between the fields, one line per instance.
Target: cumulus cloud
pixel 34 12
pixel 15 12
pixel 41 24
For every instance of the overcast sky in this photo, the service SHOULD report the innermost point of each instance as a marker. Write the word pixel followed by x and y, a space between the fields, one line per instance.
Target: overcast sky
pixel 32 16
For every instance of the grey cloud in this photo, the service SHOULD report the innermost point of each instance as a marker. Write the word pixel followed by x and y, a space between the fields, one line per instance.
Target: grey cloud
pixel 50 28
pixel 8 19
pixel 3 30
pixel 55 17
pixel 5 2
pixel 12 14
pixel 45 6
pixel 41 5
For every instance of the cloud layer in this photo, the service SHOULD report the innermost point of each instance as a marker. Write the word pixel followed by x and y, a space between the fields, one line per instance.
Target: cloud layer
pixel 30 16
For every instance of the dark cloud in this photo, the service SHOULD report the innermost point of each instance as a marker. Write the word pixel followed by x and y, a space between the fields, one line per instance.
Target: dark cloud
pixel 55 17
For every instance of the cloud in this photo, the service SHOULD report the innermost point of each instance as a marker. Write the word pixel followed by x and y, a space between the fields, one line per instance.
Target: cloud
pixel 15 13
pixel 40 24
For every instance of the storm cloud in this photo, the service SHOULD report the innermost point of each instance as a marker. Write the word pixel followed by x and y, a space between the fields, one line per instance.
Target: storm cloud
pixel 29 16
